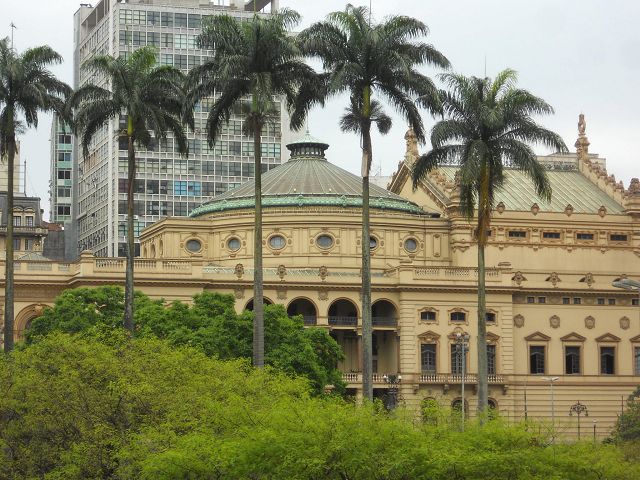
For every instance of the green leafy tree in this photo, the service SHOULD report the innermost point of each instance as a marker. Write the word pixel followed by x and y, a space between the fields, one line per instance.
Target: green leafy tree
pixel 210 324
pixel 488 126
pixel 627 428
pixel 151 98
pixel 27 87
pixel 365 59
pixel 259 60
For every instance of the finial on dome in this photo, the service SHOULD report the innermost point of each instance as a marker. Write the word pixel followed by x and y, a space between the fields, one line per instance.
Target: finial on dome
pixel 582 143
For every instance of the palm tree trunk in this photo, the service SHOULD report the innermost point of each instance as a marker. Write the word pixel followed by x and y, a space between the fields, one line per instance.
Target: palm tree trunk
pixel 367 329
pixel 258 302
pixel 8 289
pixel 128 286
pixel 483 378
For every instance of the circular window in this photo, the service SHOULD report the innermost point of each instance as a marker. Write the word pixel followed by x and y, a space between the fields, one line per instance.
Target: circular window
pixel 373 243
pixel 233 244
pixel 410 245
pixel 277 242
pixel 193 245
pixel 324 241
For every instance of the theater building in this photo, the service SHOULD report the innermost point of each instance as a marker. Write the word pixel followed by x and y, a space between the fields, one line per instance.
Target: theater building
pixel 552 309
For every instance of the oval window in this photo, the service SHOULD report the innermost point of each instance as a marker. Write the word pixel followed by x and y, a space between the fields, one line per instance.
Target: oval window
pixel 324 241
pixel 277 242
pixel 373 243
pixel 410 245
pixel 193 245
pixel 233 244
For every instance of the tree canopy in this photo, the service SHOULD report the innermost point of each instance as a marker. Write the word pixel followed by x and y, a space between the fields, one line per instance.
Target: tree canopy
pixel 210 323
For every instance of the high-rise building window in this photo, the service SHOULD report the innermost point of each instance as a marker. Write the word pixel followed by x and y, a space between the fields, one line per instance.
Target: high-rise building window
pixel 572 360
pixel 166 19
pixel 607 360
pixel 428 357
pixel 180 20
pixel 537 359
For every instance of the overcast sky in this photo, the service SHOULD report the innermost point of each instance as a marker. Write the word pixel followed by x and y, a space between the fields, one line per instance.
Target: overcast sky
pixel 579 55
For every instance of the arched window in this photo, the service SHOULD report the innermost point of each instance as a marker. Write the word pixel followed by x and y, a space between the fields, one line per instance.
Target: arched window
pixel 344 313
pixel 304 307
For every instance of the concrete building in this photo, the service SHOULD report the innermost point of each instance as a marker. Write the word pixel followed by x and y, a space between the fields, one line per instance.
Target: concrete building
pixel 552 309
pixel 29 230
pixel 166 184
pixel 61 180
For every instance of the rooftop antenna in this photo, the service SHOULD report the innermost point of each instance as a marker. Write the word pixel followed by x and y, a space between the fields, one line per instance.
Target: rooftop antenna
pixel 485 66
pixel 13 27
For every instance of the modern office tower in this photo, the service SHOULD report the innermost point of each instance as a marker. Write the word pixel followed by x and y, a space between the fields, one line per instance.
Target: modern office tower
pixel 61 183
pixel 166 184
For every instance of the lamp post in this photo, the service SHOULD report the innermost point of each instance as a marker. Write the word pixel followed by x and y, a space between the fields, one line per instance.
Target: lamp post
pixel 551 380
pixel 580 409
pixel 462 346
pixel 392 392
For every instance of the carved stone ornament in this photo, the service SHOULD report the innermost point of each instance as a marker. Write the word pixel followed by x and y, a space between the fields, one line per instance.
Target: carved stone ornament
pixel 568 210
pixel 602 211
pixel 282 271
pixel 589 322
pixel 323 272
pixel 634 187
pixel 554 321
pixel 519 278
pixel 500 207
pixel 281 293
pixel 238 292
pixel 554 278
pixel 239 270
pixel 518 321
pixel 535 208
pixel 625 323
pixel 323 294
pixel 588 279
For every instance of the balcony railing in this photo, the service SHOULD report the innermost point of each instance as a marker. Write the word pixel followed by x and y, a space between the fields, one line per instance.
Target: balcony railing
pixel 310 319
pixel 343 321
pixel 442 378
pixel 23 229
pixel 356 377
pixel 384 322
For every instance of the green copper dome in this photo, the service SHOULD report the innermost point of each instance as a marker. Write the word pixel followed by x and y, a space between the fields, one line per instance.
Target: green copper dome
pixel 307 179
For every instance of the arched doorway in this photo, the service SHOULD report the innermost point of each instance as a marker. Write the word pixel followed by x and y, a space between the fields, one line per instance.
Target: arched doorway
pixel 306 308
pixel 343 313
pixel 265 301
pixel 384 314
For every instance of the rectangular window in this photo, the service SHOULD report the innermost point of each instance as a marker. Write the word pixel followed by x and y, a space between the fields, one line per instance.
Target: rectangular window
pixel 166 40
pixel 636 360
pixel 180 61
pixel 166 59
pixel 517 234
pixel 458 317
pixel 428 315
pixel 153 18
pixel 208 168
pixel 16 244
pixel 491 317
pixel 584 236
pixel 166 19
pixel 64 210
pixel 194 21
pixel 611 301
pixel 64 139
pixel 566 300
pixel 577 301
pixel 491 359
pixel 64 192
pixel 635 301
pixel 194 189
pixel 600 301
pixel 456 360
pixel 536 360
pixel 17 221
pixel 153 39
pixel 181 20
pixel 551 235
pixel 139 38
pixel 572 360
pixel 531 299
pixel 180 40
pixel 607 360
pixel 29 220
pixel 542 299
pixel 180 187
pixel 617 237
pixel 125 37
pixel 235 148
pixel 28 244
pixel 139 17
pixel 235 169
pixel 428 357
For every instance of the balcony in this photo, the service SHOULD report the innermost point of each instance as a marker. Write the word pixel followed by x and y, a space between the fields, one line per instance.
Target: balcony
pixel 309 320
pixel 356 377
pixel 24 230
pixel 384 322
pixel 456 378
pixel 343 321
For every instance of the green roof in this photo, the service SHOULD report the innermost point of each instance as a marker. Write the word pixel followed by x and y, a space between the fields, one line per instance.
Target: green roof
pixel 569 187
pixel 307 180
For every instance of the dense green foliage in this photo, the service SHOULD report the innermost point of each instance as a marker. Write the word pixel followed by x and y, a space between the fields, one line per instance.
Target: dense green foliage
pixel 210 324
pixel 103 405
pixel 628 425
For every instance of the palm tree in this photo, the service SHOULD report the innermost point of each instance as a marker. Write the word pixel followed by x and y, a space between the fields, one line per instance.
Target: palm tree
pixel 487 126
pixel 151 99
pixel 365 59
pixel 27 87
pixel 254 64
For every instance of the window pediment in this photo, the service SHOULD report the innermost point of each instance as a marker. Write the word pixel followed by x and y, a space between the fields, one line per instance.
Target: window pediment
pixel 635 339
pixel 492 338
pixel 573 337
pixel 429 337
pixel 537 337
pixel 608 337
